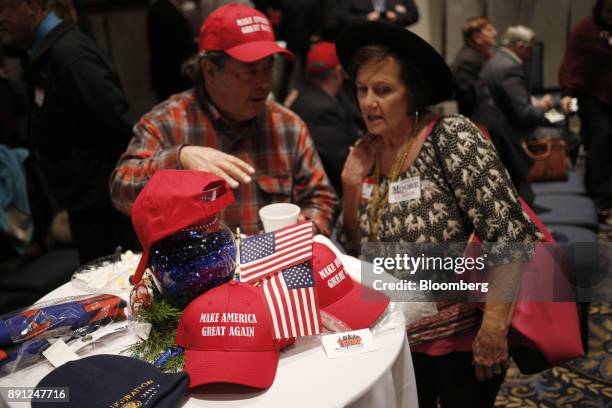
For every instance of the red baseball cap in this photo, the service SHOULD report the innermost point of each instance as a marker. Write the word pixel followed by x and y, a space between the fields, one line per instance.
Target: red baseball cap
pixel 228 338
pixel 172 200
pixel 351 302
pixel 321 57
pixel 242 32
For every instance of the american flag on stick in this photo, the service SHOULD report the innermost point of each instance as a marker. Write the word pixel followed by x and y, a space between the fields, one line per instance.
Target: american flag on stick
pixel 266 254
pixel 293 302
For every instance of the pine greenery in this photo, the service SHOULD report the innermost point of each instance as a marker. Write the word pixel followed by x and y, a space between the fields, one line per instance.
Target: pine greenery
pixel 164 319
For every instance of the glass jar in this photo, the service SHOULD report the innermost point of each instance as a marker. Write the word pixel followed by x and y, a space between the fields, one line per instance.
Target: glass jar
pixel 194 259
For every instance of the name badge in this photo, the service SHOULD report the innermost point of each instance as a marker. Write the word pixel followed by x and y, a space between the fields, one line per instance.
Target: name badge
pixel 404 190
pixel 348 343
pixel 39 97
pixel 366 189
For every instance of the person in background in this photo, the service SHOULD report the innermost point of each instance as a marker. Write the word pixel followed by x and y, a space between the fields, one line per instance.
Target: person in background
pixel 317 103
pixel 171 43
pixel 79 122
pixel 64 9
pixel 456 184
pixel 585 75
pixel 227 125
pixel 71 11
pixel 503 90
pixel 400 12
pixel 505 77
pixel 479 38
pixel 300 21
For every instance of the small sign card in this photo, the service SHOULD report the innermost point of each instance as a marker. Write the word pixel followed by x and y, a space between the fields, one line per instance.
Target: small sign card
pixel 58 353
pixel 348 343
pixel 366 189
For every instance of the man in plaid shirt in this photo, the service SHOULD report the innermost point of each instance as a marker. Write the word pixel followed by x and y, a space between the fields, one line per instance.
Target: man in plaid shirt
pixel 227 126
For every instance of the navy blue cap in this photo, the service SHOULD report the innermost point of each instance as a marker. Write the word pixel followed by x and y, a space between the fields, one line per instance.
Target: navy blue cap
pixel 107 380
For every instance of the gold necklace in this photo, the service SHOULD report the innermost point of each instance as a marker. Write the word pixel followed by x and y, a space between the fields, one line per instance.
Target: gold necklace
pixel 379 199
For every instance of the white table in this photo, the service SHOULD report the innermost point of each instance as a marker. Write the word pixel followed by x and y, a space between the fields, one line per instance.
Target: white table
pixel 305 376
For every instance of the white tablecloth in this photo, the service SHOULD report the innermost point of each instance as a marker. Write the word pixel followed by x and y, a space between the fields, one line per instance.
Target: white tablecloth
pixel 305 376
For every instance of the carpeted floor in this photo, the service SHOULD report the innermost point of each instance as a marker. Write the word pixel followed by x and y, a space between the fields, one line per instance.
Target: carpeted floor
pixel 584 382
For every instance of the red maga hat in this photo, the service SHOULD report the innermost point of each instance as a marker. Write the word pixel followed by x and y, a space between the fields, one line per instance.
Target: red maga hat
pixel 350 302
pixel 172 200
pixel 227 336
pixel 321 57
pixel 242 32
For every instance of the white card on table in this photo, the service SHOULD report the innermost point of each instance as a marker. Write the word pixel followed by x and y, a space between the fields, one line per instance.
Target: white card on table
pixel 348 343
pixel 59 353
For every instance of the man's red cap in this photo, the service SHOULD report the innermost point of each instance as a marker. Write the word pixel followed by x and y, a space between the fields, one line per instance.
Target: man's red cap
pixel 227 336
pixel 321 57
pixel 172 200
pixel 348 301
pixel 242 32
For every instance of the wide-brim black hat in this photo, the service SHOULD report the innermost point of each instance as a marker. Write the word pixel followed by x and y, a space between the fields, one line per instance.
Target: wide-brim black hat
pixel 405 43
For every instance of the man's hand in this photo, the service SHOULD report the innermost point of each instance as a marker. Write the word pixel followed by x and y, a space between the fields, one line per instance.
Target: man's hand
pixel 545 102
pixel 391 15
pixel 373 16
pixel 566 104
pixel 230 168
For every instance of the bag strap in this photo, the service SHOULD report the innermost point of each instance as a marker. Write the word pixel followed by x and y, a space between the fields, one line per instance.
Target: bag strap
pixel 547 142
pixel 537 157
pixel 432 124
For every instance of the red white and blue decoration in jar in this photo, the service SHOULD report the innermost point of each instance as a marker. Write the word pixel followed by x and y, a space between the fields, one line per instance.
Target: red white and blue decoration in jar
pixel 193 260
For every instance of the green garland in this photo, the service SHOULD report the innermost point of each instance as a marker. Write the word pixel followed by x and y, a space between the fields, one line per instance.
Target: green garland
pixel 164 319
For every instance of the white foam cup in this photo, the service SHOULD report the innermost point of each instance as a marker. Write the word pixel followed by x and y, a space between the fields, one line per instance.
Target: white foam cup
pixel 279 215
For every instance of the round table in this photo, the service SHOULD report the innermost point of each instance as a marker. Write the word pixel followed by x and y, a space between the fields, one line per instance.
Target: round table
pixel 305 376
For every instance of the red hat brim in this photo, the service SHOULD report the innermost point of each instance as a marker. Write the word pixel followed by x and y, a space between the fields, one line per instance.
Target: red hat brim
pixel 255 369
pixel 256 50
pixel 359 308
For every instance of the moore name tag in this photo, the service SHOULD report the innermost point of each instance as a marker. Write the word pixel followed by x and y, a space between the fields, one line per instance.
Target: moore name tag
pixel 403 190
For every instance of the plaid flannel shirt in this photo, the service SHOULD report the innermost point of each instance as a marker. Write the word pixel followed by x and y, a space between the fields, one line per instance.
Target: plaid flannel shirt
pixel 277 144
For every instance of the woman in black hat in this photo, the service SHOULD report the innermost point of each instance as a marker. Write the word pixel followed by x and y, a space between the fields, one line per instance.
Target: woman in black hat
pixel 432 179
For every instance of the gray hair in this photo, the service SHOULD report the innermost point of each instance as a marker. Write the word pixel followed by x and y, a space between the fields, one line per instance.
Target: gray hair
pixel 191 67
pixel 516 34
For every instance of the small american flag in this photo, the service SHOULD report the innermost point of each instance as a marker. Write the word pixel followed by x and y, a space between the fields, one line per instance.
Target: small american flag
pixel 266 254
pixel 293 302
